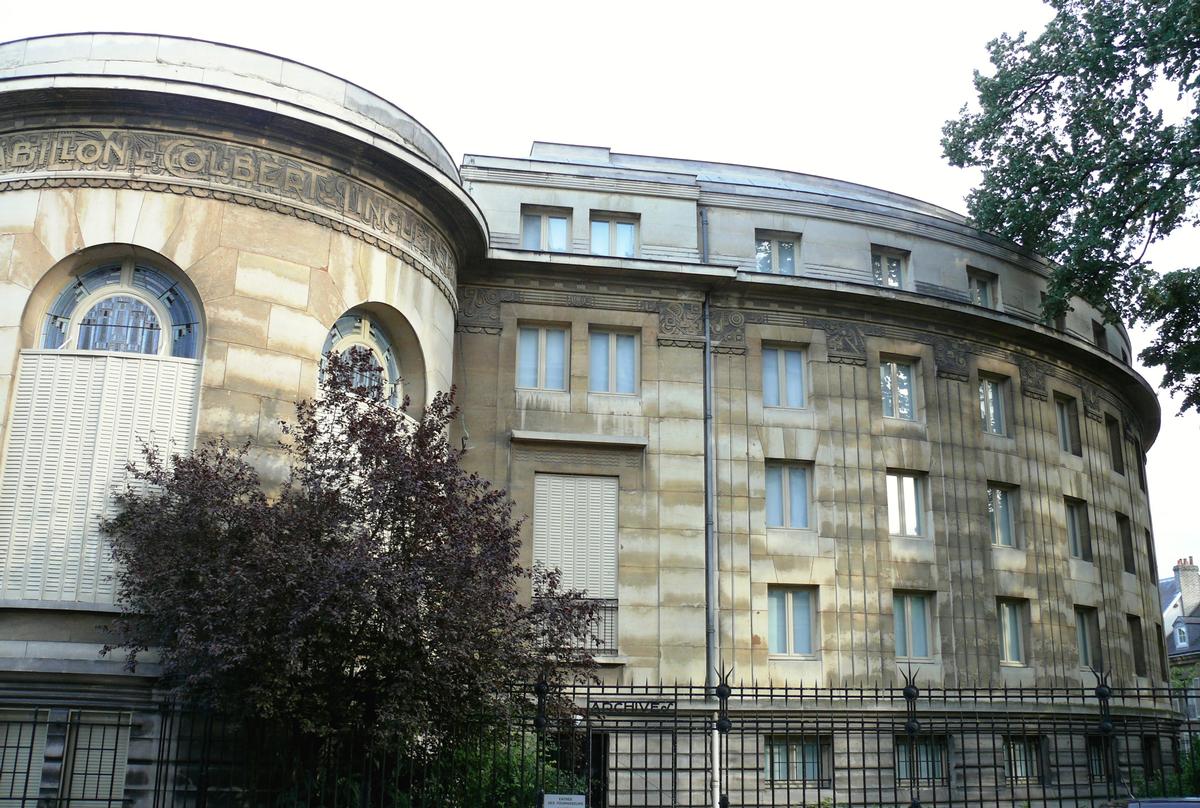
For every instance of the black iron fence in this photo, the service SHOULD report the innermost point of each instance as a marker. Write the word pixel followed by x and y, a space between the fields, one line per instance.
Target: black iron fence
pixel 637 745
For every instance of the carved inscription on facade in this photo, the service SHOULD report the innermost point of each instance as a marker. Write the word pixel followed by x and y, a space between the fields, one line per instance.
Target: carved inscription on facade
pixel 231 166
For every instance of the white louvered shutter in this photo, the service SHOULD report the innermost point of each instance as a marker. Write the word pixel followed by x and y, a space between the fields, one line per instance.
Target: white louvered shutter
pixel 76 421
pixel 22 754
pixel 99 758
pixel 575 530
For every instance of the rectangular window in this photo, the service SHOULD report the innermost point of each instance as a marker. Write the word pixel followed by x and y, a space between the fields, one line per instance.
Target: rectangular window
pixel 1151 564
pixel 1116 446
pixel 543 354
pixel 984 288
pixel 806 759
pixel 1138 642
pixel 1127 555
pixel 612 362
pixel 1001 509
pixel 1079 538
pixel 792 619
pixel 787 495
pixel 1068 424
pixel 1060 320
pixel 897 380
pixel 783 376
pixel 1087 637
pixel 614 235
pixel 906 504
pixel 22 754
pixel 890 268
pixel 1012 631
pixel 1099 335
pixel 922 761
pixel 545 229
pixel 776 252
pixel 1140 457
pixel 1023 759
pixel 575 531
pixel 913 612
pixel 97 757
pixel 993 408
pixel 1097 758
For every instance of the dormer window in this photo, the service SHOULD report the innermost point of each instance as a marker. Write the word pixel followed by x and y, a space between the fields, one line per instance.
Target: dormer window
pixel 545 229
pixel 1181 637
pixel 776 252
pixel 890 267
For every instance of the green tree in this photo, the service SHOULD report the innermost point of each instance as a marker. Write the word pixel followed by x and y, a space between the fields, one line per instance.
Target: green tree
pixel 1080 165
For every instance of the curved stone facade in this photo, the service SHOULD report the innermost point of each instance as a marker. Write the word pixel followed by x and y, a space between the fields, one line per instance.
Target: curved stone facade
pixel 856 335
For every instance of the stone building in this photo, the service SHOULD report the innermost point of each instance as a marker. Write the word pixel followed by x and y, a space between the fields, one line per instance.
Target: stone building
pixel 907 465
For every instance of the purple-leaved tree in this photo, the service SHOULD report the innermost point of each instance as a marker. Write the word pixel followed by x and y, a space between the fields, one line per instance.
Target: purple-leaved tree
pixel 377 591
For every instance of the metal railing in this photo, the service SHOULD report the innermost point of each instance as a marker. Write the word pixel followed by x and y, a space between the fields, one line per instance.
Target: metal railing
pixel 637 745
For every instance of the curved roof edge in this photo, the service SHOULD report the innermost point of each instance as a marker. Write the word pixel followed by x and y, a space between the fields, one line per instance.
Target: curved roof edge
pixel 175 63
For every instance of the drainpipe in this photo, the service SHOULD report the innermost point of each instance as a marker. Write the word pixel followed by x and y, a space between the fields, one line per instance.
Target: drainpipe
pixel 703 235
pixel 710 507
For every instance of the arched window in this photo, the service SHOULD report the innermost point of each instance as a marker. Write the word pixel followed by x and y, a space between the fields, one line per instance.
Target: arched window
pixel 116 368
pixel 125 308
pixel 357 329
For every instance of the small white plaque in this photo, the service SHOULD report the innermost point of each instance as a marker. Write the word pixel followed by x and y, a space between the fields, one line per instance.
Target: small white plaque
pixel 564 801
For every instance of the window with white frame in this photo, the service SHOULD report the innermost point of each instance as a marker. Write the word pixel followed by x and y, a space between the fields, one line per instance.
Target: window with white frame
pixel 1087 637
pixel 1012 613
pixel 905 503
pixel 792 620
pixel 1067 414
pixel 890 268
pixel 922 761
pixel 357 329
pixel 614 234
pixel 1001 507
pixel 612 361
pixel 788 487
pixel 1181 636
pixel 118 367
pixel 575 531
pixel 984 288
pixel 897 379
pixel 783 376
pixel 1023 759
pixel 545 229
pixel 806 759
pixel 776 252
pixel 913 615
pixel 543 357
pixel 1079 538
pixel 993 404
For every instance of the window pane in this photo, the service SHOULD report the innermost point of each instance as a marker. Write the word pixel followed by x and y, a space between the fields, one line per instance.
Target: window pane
pixel 903 392
pixel 886 375
pixel 794 378
pixel 777 620
pixel 121 323
pixel 626 363
pixel 912 510
pixel 774 496
pixel 598 362
pixel 626 246
pixel 898 606
pixel 894 277
pixel 1004 517
pixel 1081 639
pixel 802 622
pixel 893 504
pixel 527 358
pixel 557 234
pixel 798 496
pixel 810 760
pixel 787 257
pixel 600 238
pixel 762 255
pixel 556 353
pixel 1013 627
pixel 770 377
pixel 919 625
pixel 531 232
pixel 877 267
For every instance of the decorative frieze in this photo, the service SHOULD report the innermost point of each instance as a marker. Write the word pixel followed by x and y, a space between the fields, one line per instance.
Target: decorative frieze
pixel 1033 377
pixel 952 359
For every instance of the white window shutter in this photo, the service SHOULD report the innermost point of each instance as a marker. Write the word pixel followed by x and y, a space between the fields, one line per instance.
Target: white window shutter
pixel 575 530
pixel 77 420
pixel 22 755
pixel 99 758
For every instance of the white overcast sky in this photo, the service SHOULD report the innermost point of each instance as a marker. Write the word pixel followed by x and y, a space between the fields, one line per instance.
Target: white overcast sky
pixel 853 90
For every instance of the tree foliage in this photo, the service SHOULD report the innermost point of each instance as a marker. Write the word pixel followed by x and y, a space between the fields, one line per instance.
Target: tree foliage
pixel 377 590
pixel 1081 165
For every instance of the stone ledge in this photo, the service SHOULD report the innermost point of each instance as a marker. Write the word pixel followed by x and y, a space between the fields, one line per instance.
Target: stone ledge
pixel 530 436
